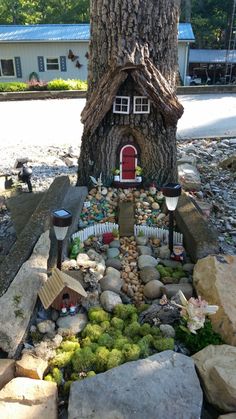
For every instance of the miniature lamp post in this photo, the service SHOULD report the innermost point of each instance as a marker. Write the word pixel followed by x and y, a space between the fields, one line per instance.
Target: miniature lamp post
pixel 61 220
pixel 171 192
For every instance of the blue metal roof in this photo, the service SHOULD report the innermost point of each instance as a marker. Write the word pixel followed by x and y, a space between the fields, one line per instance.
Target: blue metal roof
pixel 78 32
pixel 185 32
pixel 211 56
pixel 16 33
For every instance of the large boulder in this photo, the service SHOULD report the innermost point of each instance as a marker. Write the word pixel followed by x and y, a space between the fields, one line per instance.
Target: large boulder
pixel 217 369
pixel 31 366
pixel 26 398
pixel 18 303
pixel 164 385
pixel 7 371
pixel 72 324
pixel 189 177
pixel 214 280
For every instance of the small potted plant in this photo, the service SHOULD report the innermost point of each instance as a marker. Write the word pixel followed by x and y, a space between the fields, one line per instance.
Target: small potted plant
pixel 116 174
pixel 138 172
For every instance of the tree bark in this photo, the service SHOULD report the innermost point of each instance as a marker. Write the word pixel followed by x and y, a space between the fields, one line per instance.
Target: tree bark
pixel 133 52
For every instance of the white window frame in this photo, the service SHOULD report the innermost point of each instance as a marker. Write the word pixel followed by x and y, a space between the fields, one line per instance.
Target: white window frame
pixel 120 104
pixel 14 67
pixel 52 69
pixel 141 104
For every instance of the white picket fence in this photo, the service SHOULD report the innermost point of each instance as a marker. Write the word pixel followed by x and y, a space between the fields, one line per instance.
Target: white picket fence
pixel 95 230
pixel 159 233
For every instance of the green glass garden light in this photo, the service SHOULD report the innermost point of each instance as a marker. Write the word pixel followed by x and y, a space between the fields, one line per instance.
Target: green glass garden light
pixel 171 192
pixel 61 220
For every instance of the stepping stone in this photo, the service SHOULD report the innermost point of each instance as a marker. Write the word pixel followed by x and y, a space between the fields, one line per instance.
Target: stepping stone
pixel 126 219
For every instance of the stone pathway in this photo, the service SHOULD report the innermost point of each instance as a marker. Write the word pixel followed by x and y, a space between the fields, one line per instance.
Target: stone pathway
pixel 126 218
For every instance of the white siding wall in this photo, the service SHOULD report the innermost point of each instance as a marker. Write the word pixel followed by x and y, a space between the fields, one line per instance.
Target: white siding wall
pixel 183 59
pixel 28 53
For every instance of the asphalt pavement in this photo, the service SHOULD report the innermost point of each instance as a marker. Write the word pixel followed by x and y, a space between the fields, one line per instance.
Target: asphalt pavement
pixel 57 121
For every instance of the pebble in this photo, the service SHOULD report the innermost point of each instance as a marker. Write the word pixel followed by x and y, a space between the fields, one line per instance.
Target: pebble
pixel 112 252
pixel 114 263
pixel 153 289
pixel 146 260
pixel 167 330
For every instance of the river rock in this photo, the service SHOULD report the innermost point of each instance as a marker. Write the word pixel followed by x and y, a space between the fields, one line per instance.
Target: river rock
pixel 84 261
pixel 115 244
pixel 111 283
pixel 152 289
pixel 167 330
pixel 7 371
pixel 72 324
pixel 47 326
pixel 112 272
pixel 217 369
pixel 112 252
pixel 189 177
pixel 31 367
pixel 140 389
pixel 114 263
pixel 27 398
pixel 219 289
pixel 109 300
pixel 145 260
pixel 144 250
pixel 141 240
pixel 171 263
pixel 149 273
pixel 163 252
pixel 170 290
pixel 18 303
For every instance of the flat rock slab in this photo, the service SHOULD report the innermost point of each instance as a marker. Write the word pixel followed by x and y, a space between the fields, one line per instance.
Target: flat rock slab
pixel 214 278
pixel 31 366
pixel 18 303
pixel 26 398
pixel 164 386
pixel 126 219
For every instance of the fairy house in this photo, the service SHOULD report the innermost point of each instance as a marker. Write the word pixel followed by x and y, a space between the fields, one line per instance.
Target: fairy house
pixel 132 111
pixel 61 289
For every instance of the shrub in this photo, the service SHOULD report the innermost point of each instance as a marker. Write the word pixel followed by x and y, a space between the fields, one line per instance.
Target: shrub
pixel 58 84
pixel 101 358
pixel 62 359
pixel 120 342
pixel 124 311
pixel 98 315
pixel 132 330
pixel 131 352
pixel 145 347
pixel 68 346
pixel 13 87
pixel 105 325
pixel 204 337
pixel 105 340
pixel 145 329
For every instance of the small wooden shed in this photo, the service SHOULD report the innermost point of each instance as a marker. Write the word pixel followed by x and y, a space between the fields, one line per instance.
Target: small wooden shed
pixel 61 289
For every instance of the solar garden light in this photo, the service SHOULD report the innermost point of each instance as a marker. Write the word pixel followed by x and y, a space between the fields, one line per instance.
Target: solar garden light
pixel 171 192
pixel 24 176
pixel 61 220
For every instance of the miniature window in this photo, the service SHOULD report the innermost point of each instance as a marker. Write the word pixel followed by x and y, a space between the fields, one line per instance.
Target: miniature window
pixel 52 63
pixel 141 104
pixel 7 68
pixel 121 104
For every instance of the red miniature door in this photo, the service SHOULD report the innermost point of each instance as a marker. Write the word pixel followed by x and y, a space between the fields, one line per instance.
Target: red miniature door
pixel 128 163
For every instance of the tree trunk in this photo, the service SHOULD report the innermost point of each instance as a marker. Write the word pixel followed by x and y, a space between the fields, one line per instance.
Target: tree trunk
pixel 133 52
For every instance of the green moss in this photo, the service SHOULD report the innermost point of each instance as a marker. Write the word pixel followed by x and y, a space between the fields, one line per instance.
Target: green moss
pixel 57 376
pixel 93 331
pixel 49 377
pixel 62 359
pixel 83 359
pixel 91 374
pixel 101 359
pixel 66 387
pixel 98 315
pixel 124 311
pixel 178 274
pixel 155 331
pixel 105 325
pixel 143 307
pixel 120 342
pixel 36 336
pixel 115 333
pixel 94 346
pixel 134 317
pixel 115 358
pixel 132 330
pixel 85 342
pixel 145 329
pixel 117 323
pixel 145 347
pixel 105 340
pixel 162 344
pixel 68 346
pixel 131 352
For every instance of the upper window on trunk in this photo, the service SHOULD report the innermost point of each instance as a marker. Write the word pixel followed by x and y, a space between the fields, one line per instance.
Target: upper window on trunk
pixel 121 104
pixel 141 104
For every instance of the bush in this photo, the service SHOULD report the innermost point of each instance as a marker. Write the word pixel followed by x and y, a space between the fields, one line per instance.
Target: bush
pixel 13 87
pixel 93 331
pixel 68 346
pixel 105 340
pixel 124 312
pixel 163 344
pixel 115 358
pixel 117 323
pixel 131 352
pixel 70 84
pixel 101 359
pixel 98 315
pixel 83 360
pixel 62 359
pixel 132 330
